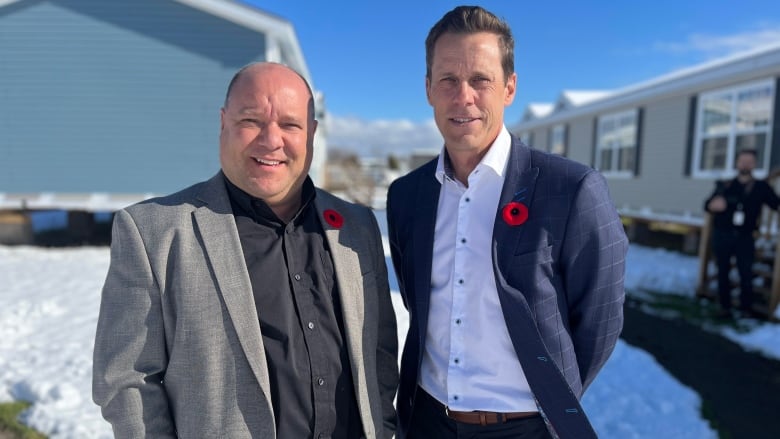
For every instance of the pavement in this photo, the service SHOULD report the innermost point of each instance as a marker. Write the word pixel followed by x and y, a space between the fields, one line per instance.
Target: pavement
pixel 740 390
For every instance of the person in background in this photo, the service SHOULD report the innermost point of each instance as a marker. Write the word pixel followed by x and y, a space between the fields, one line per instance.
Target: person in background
pixel 510 260
pixel 736 206
pixel 252 304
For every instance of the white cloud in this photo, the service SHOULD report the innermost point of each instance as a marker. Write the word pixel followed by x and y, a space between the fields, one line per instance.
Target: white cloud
pixel 723 45
pixel 381 137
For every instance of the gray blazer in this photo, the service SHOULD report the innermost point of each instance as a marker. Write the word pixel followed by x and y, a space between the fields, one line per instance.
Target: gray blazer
pixel 178 351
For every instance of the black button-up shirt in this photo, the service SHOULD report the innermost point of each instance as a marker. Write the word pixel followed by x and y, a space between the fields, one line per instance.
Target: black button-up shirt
pixel 294 287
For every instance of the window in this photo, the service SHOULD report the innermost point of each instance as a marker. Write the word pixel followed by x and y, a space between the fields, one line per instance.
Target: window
pixel 558 139
pixel 527 137
pixel 616 143
pixel 730 120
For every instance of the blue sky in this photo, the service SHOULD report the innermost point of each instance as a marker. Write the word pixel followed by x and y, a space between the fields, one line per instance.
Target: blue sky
pixel 368 58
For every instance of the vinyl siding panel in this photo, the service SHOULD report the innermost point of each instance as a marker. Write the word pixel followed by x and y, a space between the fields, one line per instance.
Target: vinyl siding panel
pixel 102 96
pixel 661 184
pixel 541 138
pixel 580 139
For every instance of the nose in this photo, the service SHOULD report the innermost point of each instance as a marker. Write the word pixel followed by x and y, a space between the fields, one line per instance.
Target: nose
pixel 463 93
pixel 270 136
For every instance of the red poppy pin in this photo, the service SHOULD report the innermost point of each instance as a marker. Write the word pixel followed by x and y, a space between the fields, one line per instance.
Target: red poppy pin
pixel 333 218
pixel 515 213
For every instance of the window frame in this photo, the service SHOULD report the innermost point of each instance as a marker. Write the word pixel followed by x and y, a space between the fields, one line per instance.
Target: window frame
pixel 613 172
pixel 561 127
pixel 733 132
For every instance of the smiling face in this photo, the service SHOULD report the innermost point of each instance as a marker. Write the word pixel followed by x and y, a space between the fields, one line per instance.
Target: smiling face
pixel 468 91
pixel 266 136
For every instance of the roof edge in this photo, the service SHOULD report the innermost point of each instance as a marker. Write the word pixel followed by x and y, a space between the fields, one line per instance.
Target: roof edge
pixel 756 62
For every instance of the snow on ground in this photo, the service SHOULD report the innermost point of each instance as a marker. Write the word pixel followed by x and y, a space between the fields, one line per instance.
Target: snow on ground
pixel 663 271
pixel 49 302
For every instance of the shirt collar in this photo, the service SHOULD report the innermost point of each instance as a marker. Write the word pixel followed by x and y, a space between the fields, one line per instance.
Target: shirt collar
pixel 258 210
pixel 495 158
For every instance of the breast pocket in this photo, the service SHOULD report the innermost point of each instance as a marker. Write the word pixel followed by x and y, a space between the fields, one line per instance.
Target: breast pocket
pixel 538 256
pixel 531 271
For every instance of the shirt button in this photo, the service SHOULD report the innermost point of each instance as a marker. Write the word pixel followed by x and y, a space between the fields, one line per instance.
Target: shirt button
pixel 457 361
pixel 460 281
pixel 311 325
pixel 457 321
pixel 455 397
pixel 321 381
pixel 463 241
pixel 297 277
pixel 468 199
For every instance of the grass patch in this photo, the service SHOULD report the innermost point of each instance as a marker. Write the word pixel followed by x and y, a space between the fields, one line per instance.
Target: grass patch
pixel 9 425
pixel 698 311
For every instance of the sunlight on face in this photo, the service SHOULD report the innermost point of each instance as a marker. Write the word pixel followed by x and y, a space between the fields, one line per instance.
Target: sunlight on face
pixel 267 133
pixel 467 90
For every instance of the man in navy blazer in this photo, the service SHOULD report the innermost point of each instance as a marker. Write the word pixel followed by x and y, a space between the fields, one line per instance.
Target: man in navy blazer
pixel 510 260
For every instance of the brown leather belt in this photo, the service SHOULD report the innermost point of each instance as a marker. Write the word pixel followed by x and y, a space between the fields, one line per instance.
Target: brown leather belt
pixel 475 417
pixel 487 418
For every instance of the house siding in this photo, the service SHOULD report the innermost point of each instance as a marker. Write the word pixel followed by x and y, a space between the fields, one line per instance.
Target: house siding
pixel 541 138
pixel 661 184
pixel 100 96
pixel 580 139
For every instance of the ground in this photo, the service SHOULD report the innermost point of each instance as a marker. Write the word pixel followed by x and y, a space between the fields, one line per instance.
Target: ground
pixel 740 390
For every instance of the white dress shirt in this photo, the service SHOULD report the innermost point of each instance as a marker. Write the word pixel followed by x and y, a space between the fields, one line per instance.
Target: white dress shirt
pixel 469 362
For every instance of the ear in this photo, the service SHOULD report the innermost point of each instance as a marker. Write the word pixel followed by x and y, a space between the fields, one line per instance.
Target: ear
pixel 222 119
pixel 428 89
pixel 510 88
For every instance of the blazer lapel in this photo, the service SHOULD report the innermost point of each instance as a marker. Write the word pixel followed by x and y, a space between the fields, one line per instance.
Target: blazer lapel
pixel 348 276
pixel 519 185
pixel 217 226
pixel 349 279
pixel 426 207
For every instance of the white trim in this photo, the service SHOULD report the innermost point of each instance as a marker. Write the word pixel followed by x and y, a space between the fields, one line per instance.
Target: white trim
pixel 731 135
pixel 617 116
pixel 618 175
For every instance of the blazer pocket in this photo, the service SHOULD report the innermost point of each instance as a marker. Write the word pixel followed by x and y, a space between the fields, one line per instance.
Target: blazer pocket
pixel 531 272
pixel 535 257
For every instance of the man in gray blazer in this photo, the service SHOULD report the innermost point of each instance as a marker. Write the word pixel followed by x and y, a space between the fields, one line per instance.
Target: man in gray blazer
pixel 510 260
pixel 251 304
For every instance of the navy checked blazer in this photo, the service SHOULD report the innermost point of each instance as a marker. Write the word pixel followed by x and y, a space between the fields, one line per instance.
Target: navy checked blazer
pixel 559 277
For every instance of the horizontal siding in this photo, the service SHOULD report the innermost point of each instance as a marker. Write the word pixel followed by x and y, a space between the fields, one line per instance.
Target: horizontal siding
pixel 99 96
pixel 580 139
pixel 661 184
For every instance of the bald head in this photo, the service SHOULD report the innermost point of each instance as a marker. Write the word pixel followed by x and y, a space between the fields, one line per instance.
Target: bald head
pixel 260 68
